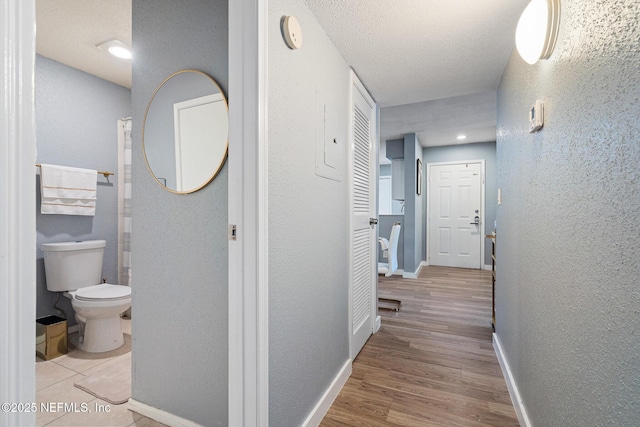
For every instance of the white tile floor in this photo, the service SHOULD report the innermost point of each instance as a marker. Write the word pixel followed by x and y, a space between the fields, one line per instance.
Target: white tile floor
pixel 55 380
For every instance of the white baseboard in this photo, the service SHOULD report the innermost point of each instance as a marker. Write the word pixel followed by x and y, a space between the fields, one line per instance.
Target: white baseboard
pixel 72 329
pixel 516 400
pixel 323 405
pixel 416 274
pixel 487 267
pixel 377 325
pixel 160 415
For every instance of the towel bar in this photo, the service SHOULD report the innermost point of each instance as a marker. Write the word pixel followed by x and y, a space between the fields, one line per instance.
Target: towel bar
pixel 105 173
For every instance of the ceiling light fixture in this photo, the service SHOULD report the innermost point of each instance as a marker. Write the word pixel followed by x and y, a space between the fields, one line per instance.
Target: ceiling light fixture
pixel 537 30
pixel 461 137
pixel 116 48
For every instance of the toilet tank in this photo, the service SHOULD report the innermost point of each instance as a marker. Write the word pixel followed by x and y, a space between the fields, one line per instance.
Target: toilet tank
pixel 72 265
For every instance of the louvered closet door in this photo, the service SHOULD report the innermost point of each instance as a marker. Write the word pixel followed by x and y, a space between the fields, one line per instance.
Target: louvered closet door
pixel 363 235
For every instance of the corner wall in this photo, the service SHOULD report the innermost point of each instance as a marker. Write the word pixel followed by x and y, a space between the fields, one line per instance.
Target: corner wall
pixel 568 251
pixel 413 216
pixel 308 218
pixel 179 243
pixel 76 118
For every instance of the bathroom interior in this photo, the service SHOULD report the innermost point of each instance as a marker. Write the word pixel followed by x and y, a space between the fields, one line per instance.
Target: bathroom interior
pixel 79 124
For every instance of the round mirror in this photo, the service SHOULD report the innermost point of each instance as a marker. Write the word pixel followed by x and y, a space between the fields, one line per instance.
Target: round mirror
pixel 185 131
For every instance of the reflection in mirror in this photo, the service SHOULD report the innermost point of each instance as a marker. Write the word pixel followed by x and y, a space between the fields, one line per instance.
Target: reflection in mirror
pixel 185 131
pixel 386 204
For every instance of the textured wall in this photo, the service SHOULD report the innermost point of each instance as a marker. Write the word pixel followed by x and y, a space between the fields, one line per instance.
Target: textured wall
pixel 568 245
pixel 308 220
pixel 413 229
pixel 480 151
pixel 76 125
pixel 179 246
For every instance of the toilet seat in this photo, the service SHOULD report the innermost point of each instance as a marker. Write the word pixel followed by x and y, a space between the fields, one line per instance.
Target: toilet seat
pixel 103 292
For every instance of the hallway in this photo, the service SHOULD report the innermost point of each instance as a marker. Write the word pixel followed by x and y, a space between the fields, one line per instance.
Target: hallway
pixel 432 363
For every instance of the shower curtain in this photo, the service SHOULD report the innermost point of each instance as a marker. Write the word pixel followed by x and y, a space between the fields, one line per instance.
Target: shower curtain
pixel 124 202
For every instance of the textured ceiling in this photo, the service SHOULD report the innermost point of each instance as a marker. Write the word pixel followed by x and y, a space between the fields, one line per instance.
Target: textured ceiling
pixel 439 122
pixel 68 31
pixel 408 51
pixel 433 66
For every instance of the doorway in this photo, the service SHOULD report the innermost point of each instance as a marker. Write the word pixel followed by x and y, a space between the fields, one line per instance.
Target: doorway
pixel 362 263
pixel 455 214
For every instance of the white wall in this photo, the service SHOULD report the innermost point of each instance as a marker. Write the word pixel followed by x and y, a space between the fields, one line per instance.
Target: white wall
pixel 568 251
pixel 308 276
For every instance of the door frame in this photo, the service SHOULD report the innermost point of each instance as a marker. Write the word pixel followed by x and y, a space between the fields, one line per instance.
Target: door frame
pixel 356 84
pixel 17 210
pixel 248 385
pixel 482 204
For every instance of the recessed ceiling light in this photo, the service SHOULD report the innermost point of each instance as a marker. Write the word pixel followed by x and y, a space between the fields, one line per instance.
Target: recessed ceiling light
pixel 116 48
pixel 461 137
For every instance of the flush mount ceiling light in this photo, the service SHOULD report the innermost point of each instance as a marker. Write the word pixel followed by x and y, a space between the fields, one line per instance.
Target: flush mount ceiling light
pixel 461 137
pixel 537 30
pixel 116 48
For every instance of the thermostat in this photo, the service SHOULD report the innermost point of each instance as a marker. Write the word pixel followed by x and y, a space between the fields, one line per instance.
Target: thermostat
pixel 536 116
pixel 292 32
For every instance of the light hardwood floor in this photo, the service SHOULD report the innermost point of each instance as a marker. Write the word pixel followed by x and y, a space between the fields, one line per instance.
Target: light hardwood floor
pixel 432 363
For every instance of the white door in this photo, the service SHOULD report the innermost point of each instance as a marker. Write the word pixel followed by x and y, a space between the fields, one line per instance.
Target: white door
pixel 201 134
pixel 455 214
pixel 363 264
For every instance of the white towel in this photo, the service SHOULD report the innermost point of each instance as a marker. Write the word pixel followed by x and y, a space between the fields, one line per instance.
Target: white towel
pixel 68 191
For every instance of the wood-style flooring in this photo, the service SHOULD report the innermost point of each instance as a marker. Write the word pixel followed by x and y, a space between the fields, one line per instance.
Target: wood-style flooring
pixel 432 363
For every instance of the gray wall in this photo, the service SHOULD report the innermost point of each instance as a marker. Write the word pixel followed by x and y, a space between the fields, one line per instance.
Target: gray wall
pixel 413 230
pixel 179 246
pixel 480 151
pixel 568 251
pixel 308 219
pixel 76 125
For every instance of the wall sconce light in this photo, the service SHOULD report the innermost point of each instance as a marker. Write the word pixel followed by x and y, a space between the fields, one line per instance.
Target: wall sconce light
pixel 116 48
pixel 537 30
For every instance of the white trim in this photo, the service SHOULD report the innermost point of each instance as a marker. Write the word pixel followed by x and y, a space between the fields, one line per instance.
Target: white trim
pixel 416 273
pixel 516 399
pixel 378 324
pixel 330 394
pixel 482 201
pixel 159 415
pixel 487 267
pixel 17 210
pixel 248 187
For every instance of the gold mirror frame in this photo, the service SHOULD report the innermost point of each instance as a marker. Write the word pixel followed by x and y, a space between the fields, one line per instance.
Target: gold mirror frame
pixel 216 168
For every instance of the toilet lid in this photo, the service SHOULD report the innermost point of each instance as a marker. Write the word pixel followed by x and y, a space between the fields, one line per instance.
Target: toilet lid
pixel 103 292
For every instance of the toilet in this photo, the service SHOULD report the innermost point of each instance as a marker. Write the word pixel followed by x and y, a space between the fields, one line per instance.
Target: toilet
pixel 75 268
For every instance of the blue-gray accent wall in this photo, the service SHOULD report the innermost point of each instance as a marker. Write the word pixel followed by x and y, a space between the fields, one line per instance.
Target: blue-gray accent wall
pixel 179 242
pixel 413 214
pixel 568 245
pixel 76 118
pixel 478 151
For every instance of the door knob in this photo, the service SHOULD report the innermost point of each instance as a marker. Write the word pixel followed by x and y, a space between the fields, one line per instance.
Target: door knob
pixel 373 221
